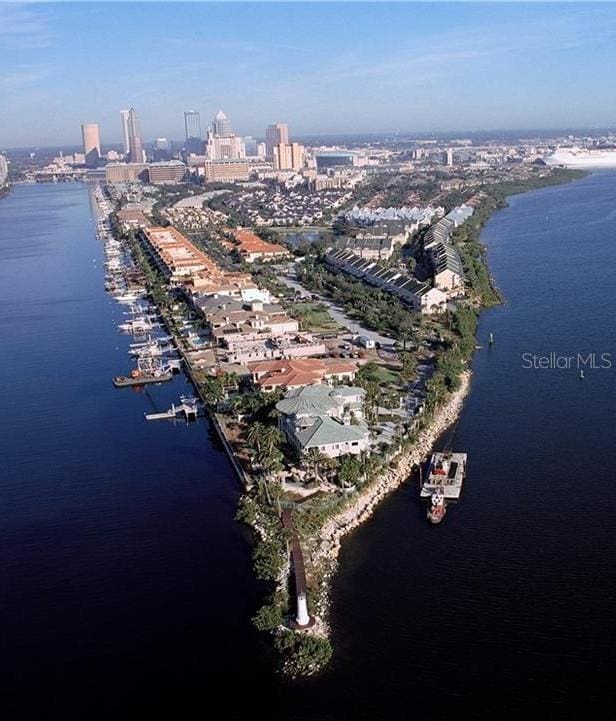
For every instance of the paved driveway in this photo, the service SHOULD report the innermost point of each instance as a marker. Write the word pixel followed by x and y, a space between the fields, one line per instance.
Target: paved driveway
pixel 337 313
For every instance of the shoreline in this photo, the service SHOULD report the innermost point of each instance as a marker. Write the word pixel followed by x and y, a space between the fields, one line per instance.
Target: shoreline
pixel 335 530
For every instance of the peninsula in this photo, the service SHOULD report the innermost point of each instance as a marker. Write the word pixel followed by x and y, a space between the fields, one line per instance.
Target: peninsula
pixel 329 360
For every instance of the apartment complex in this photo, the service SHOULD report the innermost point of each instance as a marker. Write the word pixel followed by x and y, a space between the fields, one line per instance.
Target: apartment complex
pixel 420 296
pixel 250 247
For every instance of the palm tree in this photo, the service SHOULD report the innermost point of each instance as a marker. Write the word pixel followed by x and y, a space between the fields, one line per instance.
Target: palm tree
pixel 315 459
pixel 255 435
pixel 213 391
pixel 350 471
pixel 372 399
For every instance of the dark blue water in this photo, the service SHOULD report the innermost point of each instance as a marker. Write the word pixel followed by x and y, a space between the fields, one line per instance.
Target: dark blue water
pixel 507 609
pixel 126 587
pixel 124 580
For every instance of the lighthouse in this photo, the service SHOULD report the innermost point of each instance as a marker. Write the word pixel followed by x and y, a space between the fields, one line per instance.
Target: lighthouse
pixel 302 618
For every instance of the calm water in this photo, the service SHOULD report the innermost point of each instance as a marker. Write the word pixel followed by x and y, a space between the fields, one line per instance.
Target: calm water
pixel 507 610
pixel 126 585
pixel 125 582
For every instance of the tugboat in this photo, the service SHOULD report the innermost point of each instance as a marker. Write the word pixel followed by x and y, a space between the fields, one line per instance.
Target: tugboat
pixel 438 507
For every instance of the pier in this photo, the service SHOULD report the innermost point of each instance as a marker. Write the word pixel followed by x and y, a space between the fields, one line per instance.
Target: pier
pixel 189 407
pixel 302 619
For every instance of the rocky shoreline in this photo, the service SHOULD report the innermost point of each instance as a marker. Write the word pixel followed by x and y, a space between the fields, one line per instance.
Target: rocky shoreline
pixel 324 555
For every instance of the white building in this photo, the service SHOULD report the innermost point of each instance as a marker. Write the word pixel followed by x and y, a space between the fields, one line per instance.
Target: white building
pixel 222 143
pixel 4 170
pixel 325 418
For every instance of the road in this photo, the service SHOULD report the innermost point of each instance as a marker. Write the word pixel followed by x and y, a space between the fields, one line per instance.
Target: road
pixel 337 313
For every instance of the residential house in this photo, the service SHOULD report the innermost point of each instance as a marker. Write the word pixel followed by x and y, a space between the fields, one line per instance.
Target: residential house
pixel 295 373
pixel 325 418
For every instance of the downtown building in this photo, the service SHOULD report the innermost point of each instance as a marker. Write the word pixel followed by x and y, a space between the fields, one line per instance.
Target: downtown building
pixel 222 143
pixel 135 144
pixel 289 156
pixel 4 170
pixel 276 134
pixel 91 144
pixel 192 126
pixel 169 172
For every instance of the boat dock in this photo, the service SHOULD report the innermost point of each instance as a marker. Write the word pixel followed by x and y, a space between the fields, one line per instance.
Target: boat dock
pixel 189 407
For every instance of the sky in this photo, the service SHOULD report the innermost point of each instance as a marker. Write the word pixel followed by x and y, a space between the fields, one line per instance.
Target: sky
pixel 322 68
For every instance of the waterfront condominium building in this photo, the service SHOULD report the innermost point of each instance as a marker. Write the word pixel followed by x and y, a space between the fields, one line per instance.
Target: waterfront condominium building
pixel 135 145
pixel 124 119
pixel 91 144
pixel 192 124
pixel 277 134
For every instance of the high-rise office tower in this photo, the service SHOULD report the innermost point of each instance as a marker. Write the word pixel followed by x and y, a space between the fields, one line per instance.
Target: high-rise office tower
pixel 4 170
pixel 277 134
pixel 124 118
pixel 161 150
pixel 135 146
pixel 448 156
pixel 91 143
pixel 222 143
pixel 250 145
pixel 221 125
pixel 192 124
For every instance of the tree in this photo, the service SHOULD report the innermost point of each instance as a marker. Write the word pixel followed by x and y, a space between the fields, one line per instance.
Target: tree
pixel 213 391
pixel 350 471
pixel 315 460
pixel 409 366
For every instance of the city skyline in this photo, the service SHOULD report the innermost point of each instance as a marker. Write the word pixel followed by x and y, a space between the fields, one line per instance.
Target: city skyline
pixel 413 65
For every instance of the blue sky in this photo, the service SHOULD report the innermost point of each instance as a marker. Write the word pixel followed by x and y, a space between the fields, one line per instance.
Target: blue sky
pixel 323 68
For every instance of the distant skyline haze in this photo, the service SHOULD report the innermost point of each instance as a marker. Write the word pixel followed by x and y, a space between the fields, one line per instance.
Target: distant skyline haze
pixel 320 68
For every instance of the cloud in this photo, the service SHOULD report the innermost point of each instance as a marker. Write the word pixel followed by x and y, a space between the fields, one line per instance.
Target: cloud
pixel 22 28
pixel 23 76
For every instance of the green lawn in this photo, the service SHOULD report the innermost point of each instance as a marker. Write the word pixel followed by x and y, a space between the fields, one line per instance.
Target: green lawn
pixel 313 317
pixel 376 373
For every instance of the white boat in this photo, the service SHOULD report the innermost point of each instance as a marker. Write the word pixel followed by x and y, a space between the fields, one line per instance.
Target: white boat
pixel 127 298
pixel 574 157
pixel 445 474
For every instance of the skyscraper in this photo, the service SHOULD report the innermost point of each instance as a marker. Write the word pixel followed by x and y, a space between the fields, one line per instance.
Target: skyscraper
pixel 135 146
pixel 277 134
pixel 192 123
pixel 124 118
pixel 91 143
pixel 221 125
pixel 4 170
pixel 222 143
